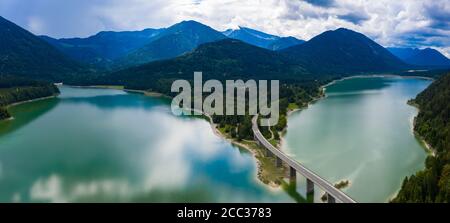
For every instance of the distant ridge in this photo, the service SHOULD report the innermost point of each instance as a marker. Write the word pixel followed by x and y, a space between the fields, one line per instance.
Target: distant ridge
pixel 344 51
pixel 226 59
pixel 421 57
pixel 261 39
pixel 22 54
pixel 104 47
pixel 173 41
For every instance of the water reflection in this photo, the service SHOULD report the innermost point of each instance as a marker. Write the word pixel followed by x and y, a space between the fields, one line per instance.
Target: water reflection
pixel 35 109
pixel 107 145
pixel 361 132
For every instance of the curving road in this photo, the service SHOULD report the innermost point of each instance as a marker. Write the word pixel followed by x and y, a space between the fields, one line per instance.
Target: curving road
pixel 316 179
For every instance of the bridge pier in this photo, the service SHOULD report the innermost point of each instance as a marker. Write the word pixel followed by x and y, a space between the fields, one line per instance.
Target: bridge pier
pixel 309 186
pixel 271 151
pixel 330 199
pixel 292 174
pixel 279 162
pixel 268 153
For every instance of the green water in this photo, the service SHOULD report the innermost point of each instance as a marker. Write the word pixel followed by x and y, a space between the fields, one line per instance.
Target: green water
pixel 110 146
pixel 362 132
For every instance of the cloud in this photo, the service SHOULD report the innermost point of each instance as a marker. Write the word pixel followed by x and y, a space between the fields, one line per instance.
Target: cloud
pixel 355 18
pixel 321 3
pixel 391 23
pixel 439 13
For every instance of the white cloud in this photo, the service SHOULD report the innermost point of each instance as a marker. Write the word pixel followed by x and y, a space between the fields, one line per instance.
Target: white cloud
pixel 391 23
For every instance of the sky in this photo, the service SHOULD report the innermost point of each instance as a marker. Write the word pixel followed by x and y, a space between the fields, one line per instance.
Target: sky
pixel 401 23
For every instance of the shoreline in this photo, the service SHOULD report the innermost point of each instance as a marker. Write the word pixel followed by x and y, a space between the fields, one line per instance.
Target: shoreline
pixel 233 142
pixel 272 185
pixel 25 102
pixel 31 100
pixel 428 148
pixel 422 141
pixel 259 166
pixel 378 76
pixel 121 88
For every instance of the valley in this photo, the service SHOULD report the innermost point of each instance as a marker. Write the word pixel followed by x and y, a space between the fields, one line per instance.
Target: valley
pixel 109 142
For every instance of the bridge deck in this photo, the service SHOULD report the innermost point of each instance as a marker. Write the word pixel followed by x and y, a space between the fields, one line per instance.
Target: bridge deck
pixel 322 183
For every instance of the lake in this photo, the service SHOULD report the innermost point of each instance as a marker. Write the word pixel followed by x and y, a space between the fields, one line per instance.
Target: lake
pixel 104 145
pixel 99 145
pixel 361 132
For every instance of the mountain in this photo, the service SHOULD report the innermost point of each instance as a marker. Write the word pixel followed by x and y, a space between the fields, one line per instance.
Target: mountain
pixel 284 42
pixel 433 124
pixel 227 59
pixel 103 47
pixel 421 57
pixel 171 42
pixel 429 57
pixel 263 40
pixel 403 53
pixel 251 36
pixel 23 54
pixel 343 51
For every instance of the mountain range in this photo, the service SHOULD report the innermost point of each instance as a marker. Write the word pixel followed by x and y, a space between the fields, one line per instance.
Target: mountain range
pixel 263 40
pixel 189 46
pixel 421 57
pixel 104 47
pixel 172 42
pixel 227 59
pixel 125 49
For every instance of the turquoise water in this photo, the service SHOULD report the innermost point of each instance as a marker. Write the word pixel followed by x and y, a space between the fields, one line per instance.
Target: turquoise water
pixel 97 145
pixel 362 132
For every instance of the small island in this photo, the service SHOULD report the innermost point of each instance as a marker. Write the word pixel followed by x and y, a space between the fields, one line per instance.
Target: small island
pixel 340 185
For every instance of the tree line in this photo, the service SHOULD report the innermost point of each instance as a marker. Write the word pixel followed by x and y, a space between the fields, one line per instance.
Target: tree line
pixel 14 89
pixel 432 124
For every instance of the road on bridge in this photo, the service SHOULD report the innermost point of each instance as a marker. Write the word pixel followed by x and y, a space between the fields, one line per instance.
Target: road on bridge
pixel 316 179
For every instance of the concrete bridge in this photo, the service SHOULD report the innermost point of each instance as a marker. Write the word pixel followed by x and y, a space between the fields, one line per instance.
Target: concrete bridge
pixel 295 167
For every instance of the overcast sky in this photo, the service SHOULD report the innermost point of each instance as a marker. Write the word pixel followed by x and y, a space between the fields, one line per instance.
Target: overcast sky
pixel 408 23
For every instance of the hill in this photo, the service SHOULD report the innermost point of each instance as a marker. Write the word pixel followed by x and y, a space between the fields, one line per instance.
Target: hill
pixel 403 53
pixel 429 57
pixel 261 39
pixel 172 42
pixel 421 57
pixel 104 47
pixel 227 59
pixel 26 55
pixel 285 42
pixel 344 51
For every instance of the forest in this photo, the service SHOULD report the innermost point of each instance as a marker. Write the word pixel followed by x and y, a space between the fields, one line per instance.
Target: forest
pixel 292 96
pixel 433 125
pixel 14 89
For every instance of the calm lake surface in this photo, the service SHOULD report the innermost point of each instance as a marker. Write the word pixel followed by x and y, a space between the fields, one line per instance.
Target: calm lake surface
pixel 362 132
pixel 111 146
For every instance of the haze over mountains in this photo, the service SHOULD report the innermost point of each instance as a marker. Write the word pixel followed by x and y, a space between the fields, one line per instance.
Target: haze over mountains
pixel 424 57
pixel 261 39
pixel 104 47
pixel 23 54
pixel 189 46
